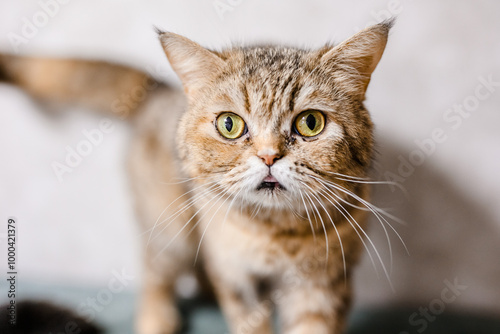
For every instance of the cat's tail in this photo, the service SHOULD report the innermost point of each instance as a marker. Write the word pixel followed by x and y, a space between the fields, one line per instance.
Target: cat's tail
pixel 95 84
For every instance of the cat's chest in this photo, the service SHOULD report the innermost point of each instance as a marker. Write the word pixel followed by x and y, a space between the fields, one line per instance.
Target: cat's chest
pixel 242 244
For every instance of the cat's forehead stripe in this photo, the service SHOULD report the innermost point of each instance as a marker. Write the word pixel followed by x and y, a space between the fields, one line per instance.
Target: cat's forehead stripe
pixel 246 98
pixel 272 77
pixel 268 100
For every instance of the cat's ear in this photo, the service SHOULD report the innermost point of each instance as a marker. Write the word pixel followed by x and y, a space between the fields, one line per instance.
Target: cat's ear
pixel 194 64
pixel 357 57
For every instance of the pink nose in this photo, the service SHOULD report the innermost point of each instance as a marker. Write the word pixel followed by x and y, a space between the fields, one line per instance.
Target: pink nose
pixel 269 159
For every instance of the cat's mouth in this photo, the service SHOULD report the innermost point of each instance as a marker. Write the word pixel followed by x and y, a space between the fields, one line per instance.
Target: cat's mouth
pixel 270 183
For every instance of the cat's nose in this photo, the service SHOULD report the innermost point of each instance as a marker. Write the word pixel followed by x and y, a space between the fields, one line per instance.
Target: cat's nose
pixel 269 159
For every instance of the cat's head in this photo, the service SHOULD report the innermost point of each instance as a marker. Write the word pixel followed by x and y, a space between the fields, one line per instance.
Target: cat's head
pixel 270 125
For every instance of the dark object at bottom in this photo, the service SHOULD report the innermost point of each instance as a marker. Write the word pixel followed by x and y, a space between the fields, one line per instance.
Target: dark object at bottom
pixel 34 317
pixel 409 320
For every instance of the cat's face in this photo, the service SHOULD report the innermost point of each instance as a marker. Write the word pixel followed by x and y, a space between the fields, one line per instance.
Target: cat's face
pixel 270 125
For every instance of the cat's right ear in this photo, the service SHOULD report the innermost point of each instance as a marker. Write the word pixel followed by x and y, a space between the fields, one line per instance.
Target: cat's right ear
pixel 194 64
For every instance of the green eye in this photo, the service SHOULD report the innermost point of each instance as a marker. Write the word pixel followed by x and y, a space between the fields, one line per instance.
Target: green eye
pixel 310 123
pixel 230 125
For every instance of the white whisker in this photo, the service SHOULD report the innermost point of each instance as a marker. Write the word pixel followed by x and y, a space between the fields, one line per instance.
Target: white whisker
pixel 388 183
pixel 351 219
pixel 381 219
pixel 183 227
pixel 335 227
pixel 372 208
pixel 363 180
pixel 188 179
pixel 164 210
pixel 308 216
pixel 368 205
pixel 190 203
pixel 229 208
pixel 210 221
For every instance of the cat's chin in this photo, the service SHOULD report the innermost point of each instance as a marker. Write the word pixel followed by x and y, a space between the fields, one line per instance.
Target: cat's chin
pixel 269 195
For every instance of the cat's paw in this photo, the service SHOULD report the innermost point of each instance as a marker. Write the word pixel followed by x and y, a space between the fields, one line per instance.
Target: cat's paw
pixel 308 327
pixel 154 321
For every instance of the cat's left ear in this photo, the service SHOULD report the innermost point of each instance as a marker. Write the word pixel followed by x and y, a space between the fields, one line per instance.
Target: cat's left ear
pixel 195 65
pixel 357 57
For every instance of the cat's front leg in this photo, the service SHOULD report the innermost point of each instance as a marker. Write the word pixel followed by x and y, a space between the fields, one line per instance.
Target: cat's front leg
pixel 158 312
pixel 240 303
pixel 316 306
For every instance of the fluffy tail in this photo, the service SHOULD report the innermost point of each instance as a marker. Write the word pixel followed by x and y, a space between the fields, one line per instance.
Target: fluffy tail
pixel 99 85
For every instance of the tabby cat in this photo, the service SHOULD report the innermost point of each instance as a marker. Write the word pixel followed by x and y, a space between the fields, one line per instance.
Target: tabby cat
pixel 255 172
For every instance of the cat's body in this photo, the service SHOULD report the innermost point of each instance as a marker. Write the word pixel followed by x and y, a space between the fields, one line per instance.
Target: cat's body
pixel 266 209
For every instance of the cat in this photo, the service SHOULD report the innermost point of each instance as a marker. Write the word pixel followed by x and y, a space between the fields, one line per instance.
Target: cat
pixel 256 171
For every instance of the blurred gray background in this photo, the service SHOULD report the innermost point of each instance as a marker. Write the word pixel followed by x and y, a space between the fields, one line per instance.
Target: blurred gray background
pixel 434 98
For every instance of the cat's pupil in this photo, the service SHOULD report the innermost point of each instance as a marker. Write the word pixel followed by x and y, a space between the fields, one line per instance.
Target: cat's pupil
pixel 311 122
pixel 229 124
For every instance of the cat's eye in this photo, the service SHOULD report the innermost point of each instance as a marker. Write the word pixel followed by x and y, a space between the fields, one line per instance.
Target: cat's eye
pixel 309 123
pixel 230 126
